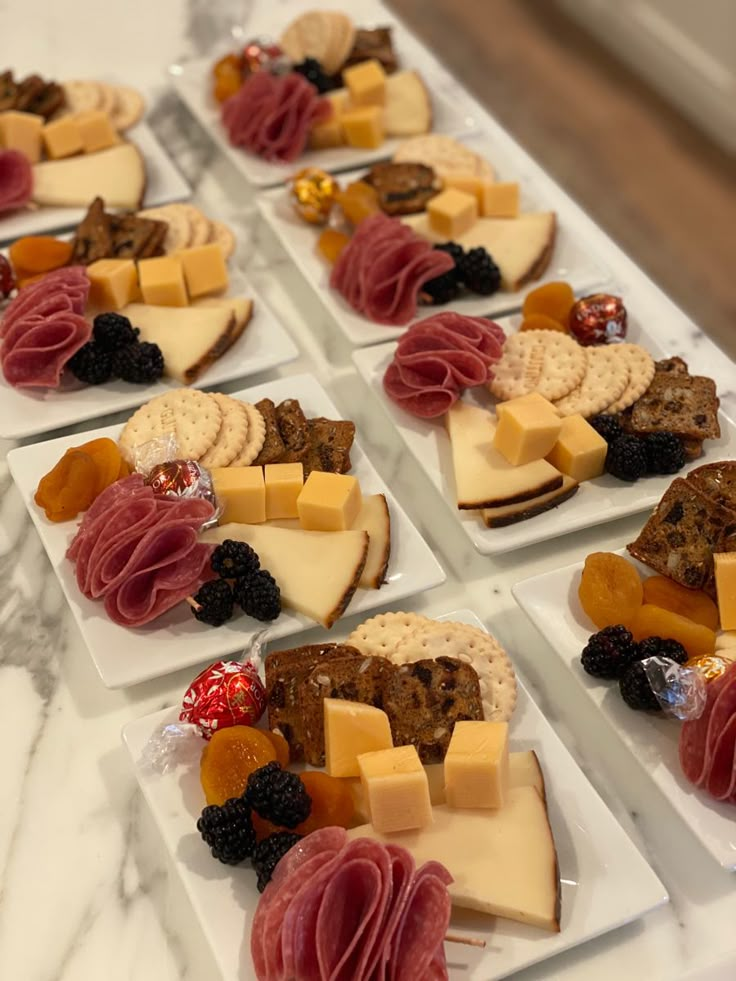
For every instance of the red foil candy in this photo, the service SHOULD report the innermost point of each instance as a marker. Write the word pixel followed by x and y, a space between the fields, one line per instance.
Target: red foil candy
pixel 598 319
pixel 259 56
pixel 227 693
pixel 182 478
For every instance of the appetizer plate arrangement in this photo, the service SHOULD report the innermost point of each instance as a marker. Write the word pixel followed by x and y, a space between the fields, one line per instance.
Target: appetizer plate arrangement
pixel 551 602
pixel 125 657
pixel 605 881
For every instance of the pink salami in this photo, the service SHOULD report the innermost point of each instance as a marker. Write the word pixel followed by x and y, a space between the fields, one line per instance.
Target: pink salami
pixel 16 180
pixel 708 744
pixel 426 403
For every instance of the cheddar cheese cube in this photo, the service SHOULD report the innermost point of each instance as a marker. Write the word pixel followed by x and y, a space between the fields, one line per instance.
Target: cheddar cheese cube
pixel 162 281
pixel 284 483
pixel 396 789
pixel 477 765
pixel 469 185
pixel 21 131
pixel 62 138
pixel 241 492
pixel 325 135
pixel 363 127
pixel 580 451
pixel 97 130
pixel 339 100
pixel 725 565
pixel 205 269
pixel 527 429
pixel 329 502
pixel 499 200
pixel 451 213
pixel 351 729
pixel 366 83
pixel 113 283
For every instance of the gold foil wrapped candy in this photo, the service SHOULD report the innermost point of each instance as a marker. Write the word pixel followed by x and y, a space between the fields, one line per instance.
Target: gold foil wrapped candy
pixel 313 195
pixel 710 666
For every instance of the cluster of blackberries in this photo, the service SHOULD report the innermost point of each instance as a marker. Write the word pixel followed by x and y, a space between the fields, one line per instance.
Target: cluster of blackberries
pixel 613 654
pixel 116 352
pixel 630 457
pixel 475 270
pixel 313 71
pixel 242 581
pixel 273 794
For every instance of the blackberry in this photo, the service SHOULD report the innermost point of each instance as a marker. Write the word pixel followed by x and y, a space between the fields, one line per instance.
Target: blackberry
pixel 636 690
pixel 113 331
pixel 626 458
pixel 442 289
pixel 91 364
pixel 278 796
pixel 665 453
pixel 658 647
pixel 233 560
pixel 228 830
pixel 215 601
pixel 479 272
pixel 140 364
pixel 269 852
pixel 609 652
pixel 259 596
pixel 609 427
pixel 313 71
pixel 452 248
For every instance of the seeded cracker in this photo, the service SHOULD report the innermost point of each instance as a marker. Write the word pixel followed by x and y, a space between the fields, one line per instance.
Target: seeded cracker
pixel 544 361
pixel 254 439
pixel 641 373
pixel 605 379
pixel 192 416
pixel 233 433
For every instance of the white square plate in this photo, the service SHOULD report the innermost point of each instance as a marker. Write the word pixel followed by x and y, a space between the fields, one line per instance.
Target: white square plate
pixel 570 262
pixel 551 603
pixel 164 183
pixel 605 881
pixel 125 657
pixel 264 344
pixel 597 501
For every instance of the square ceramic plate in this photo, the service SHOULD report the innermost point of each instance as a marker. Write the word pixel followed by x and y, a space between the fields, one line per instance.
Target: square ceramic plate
pixel 605 881
pixel 125 657
pixel 551 603
pixel 164 183
pixel 597 501
pixel 264 344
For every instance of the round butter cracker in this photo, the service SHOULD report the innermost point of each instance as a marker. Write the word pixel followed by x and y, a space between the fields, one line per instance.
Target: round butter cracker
pixel 192 416
pixel 108 98
pixel 82 96
pixel 224 236
pixel 255 437
pixel 308 37
pixel 177 233
pixel 641 372
pixel 129 107
pixel 340 42
pixel 199 225
pixel 444 155
pixel 544 361
pixel 381 635
pixel 605 379
pixel 232 435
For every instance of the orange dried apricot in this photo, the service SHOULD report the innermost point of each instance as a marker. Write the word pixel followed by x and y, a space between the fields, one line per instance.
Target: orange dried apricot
pixel 358 201
pixel 280 745
pixel 554 300
pixel 229 758
pixel 228 77
pixel 652 621
pixel 70 487
pixel 540 321
pixel 332 806
pixel 35 254
pixel 610 589
pixel 331 242
pixel 691 603
pixel 106 455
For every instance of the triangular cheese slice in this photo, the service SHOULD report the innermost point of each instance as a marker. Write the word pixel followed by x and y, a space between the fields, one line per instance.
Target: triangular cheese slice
pixel 317 571
pixel 510 514
pixel 118 175
pixel 521 247
pixel 241 308
pixel 374 518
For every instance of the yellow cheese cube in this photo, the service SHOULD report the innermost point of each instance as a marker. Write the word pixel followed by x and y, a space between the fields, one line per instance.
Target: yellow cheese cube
pixel 327 134
pixel 97 130
pixel 162 281
pixel 467 184
pixel 22 131
pixel 62 138
pixel 396 789
pixel 284 482
pixel 363 127
pixel 499 200
pixel 329 502
pixel 241 492
pixel 205 269
pixel 351 729
pixel 113 283
pixel 339 100
pixel 580 451
pixel 527 429
pixel 725 563
pixel 477 765
pixel 452 213
pixel 366 83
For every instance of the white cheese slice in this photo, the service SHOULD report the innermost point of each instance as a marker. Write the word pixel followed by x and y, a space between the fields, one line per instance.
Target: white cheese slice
pixel 484 478
pixel 502 862
pixel 118 175
pixel 374 518
pixel 240 307
pixel 317 571
pixel 509 514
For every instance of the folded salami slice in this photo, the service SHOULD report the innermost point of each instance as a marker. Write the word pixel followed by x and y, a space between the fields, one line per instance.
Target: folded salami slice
pixel 708 744
pixel 42 297
pixel 427 403
pixel 421 930
pixel 38 357
pixel 16 180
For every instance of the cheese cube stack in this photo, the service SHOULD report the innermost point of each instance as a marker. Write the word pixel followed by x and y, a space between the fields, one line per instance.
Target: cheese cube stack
pixel 62 138
pixel 241 492
pixel 396 789
pixel 452 212
pixel 329 502
pixel 477 765
pixel 352 729
pixel 528 428
pixel 725 563
pixel 580 451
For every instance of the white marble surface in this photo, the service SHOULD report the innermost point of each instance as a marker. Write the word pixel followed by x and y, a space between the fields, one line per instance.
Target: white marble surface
pixel 85 889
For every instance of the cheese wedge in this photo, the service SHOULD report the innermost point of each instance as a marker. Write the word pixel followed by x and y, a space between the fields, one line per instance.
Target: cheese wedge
pixel 511 514
pixel 117 175
pixel 483 478
pixel 503 862
pixel 317 571
pixel 190 338
pixel 374 518
pixel 408 109
pixel 521 247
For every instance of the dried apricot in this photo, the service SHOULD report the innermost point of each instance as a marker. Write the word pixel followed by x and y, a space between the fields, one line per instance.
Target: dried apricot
pixel 228 77
pixel 540 321
pixel 691 603
pixel 229 758
pixel 555 300
pixel 358 201
pixel 610 589
pixel 332 806
pixel 280 745
pixel 652 621
pixel 331 242
pixel 70 487
pixel 35 254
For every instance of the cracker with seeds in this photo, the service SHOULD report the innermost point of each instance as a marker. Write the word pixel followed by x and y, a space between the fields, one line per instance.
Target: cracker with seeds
pixel 233 432
pixel 641 372
pixel 544 361
pixel 606 376
pixel 190 415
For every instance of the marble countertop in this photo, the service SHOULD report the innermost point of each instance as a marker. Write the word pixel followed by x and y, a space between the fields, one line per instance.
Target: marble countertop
pixel 86 890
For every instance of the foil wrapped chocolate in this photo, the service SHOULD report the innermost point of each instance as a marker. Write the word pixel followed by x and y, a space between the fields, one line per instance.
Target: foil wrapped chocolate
pixel 183 478
pixel 313 194
pixel 260 55
pixel 598 319
pixel 227 693
pixel 680 689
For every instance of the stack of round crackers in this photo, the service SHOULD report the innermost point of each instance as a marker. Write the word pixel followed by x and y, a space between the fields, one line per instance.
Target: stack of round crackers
pixel 577 380
pixel 188 226
pixel 124 105
pixel 326 35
